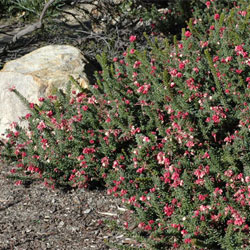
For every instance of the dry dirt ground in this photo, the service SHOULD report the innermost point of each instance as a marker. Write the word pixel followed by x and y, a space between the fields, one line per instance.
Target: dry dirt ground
pixel 35 217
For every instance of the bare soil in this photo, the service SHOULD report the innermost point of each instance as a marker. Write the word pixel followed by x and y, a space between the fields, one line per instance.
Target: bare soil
pixel 35 217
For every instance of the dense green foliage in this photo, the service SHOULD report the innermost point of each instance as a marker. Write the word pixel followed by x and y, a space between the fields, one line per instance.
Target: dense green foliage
pixel 165 128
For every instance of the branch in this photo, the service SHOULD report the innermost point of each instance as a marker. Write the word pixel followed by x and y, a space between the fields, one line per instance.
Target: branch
pixel 33 26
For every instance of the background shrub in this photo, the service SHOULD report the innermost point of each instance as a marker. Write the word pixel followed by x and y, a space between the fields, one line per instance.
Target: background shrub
pixel 29 9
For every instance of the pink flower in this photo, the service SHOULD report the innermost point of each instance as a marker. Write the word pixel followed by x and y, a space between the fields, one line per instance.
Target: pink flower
pixel 41 126
pixel 160 157
pixel 18 183
pixel 196 213
pixel 239 221
pixel 88 151
pixel 217 191
pixel 238 48
pixel 27 116
pixel 190 144
pixel 32 105
pixel 175 245
pixel 41 99
pixel 12 88
pixel 178 226
pixel 215 59
pixel 216 119
pixel 180 46
pixel 179 75
pixel 187 241
pixel 181 65
pixel 174 201
pixel 228 173
pixel 242 13
pixel 215 217
pixel 247 179
pixel 168 210
pixel 202 218
pixel 196 70
pixel 132 38
pixel 146 139
pixel 72 176
pixel 144 89
pixel 123 192
pixel 125 224
pixel 137 64
pixel 208 3
pixel 141 225
pixel 216 16
pixel 175 176
pixel 188 34
pixel 203 44
pixel 202 197
pixel 148 227
pixel 143 198
pixel 199 173
pixel 206 155
pixel 85 107
pixel 132 51
pixel 49 113
pixel 109 191
pixel 140 170
pixel 228 58
pixel 16 134
pixel 13 170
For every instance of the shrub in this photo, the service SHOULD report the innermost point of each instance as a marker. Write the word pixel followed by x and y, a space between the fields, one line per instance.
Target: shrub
pixel 170 126
pixel 63 141
pixel 185 110
pixel 169 17
pixel 28 8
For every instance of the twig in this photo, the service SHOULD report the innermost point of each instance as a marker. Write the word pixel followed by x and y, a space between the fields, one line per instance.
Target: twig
pixel 107 213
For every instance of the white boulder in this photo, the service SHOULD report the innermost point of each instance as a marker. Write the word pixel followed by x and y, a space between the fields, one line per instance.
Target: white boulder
pixel 36 75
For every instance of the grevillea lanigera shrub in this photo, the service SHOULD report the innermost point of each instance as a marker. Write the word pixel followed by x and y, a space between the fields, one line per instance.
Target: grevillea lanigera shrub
pixel 64 144
pixel 167 130
pixel 185 110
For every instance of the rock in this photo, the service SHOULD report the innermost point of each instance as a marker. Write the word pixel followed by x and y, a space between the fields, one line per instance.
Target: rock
pixel 51 66
pixel 11 108
pixel 36 75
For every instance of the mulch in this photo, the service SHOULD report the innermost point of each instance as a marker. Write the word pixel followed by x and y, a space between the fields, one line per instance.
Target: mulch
pixel 35 217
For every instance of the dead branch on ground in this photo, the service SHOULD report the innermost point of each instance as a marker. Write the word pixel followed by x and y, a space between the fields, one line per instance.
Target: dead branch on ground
pixel 33 26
